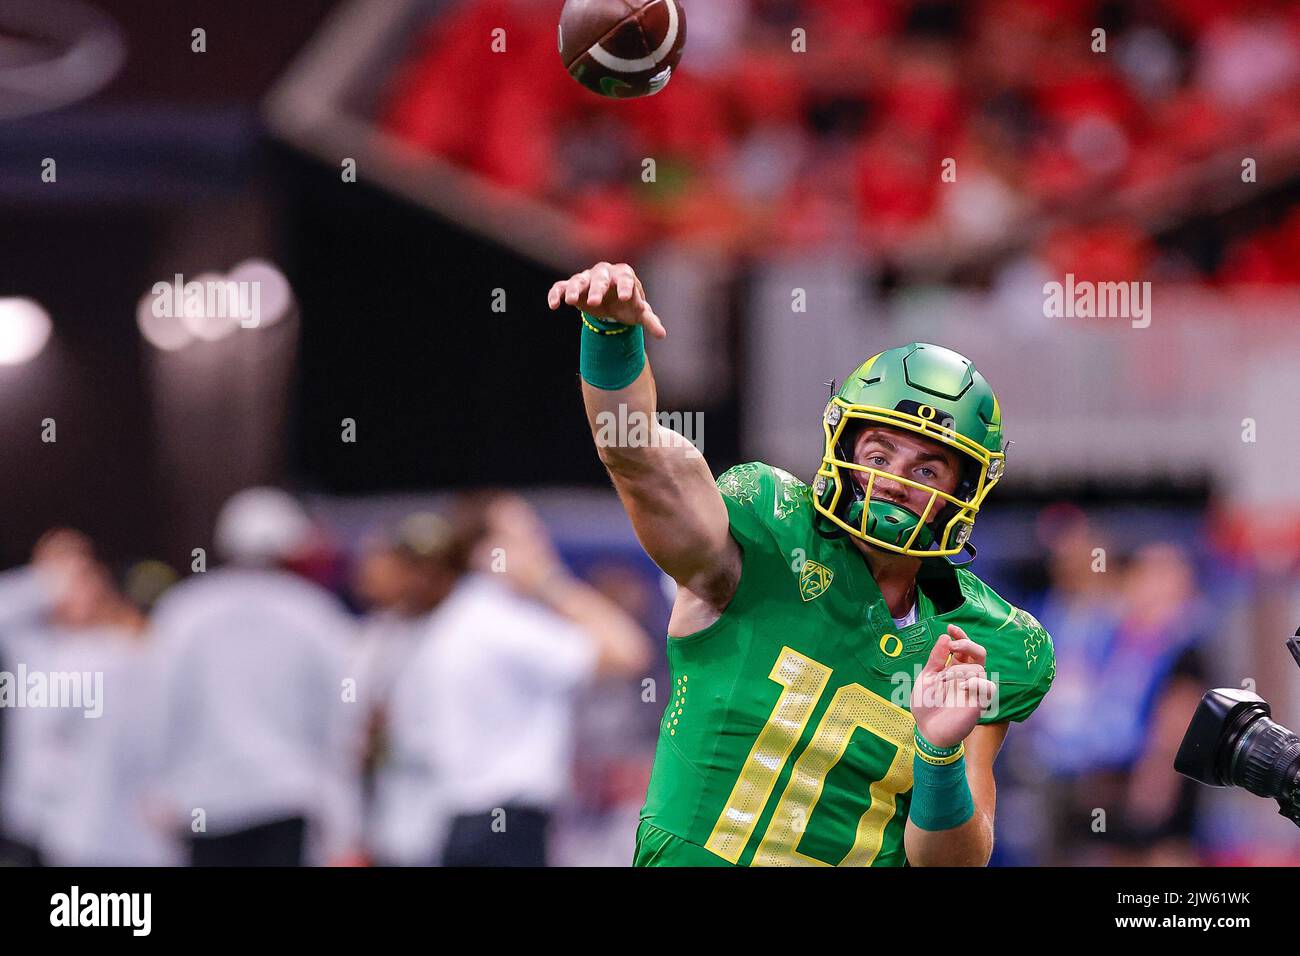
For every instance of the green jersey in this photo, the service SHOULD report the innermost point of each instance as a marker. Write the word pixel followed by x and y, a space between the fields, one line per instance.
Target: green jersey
pixel 788 738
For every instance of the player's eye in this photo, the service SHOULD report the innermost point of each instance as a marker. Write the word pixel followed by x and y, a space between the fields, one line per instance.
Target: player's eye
pixel 876 460
pixel 927 472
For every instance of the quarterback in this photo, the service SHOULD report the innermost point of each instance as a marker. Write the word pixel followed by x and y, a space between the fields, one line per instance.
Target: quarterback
pixel 840 685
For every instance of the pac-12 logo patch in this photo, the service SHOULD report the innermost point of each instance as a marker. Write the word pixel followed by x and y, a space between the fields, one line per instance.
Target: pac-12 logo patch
pixel 814 579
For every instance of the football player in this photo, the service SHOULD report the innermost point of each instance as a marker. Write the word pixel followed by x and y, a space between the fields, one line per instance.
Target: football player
pixel 840 685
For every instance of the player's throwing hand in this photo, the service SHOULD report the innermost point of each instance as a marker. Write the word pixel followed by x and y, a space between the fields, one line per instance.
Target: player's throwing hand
pixel 609 291
pixel 949 693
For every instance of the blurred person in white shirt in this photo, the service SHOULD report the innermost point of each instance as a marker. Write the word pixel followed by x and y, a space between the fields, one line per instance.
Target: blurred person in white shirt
pixel 489 695
pixel 259 724
pixel 400 576
pixel 104 757
pixel 29 598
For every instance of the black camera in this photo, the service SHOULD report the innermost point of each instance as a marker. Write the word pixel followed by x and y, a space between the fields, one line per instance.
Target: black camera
pixel 1231 742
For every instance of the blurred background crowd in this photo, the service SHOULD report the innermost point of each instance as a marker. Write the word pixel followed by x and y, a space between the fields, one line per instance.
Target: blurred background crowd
pixel 394 665
pixel 250 716
pixel 762 150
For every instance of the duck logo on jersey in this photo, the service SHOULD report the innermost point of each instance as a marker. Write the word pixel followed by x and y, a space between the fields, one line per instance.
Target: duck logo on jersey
pixel 814 579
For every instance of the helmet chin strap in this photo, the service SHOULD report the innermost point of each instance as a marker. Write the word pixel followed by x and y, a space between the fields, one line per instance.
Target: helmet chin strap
pixel 961 564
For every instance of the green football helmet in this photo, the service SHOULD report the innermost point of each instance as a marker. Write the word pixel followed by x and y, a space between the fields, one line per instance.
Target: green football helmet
pixel 930 391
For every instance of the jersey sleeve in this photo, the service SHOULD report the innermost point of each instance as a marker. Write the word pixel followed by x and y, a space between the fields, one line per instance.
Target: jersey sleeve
pixel 765 505
pixel 1027 669
pixel 749 492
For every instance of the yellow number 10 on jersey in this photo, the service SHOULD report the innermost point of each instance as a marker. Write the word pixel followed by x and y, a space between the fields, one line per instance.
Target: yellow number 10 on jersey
pixel 803 681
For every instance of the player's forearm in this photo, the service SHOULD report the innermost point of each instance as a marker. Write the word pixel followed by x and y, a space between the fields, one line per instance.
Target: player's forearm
pixel 950 818
pixel 970 844
pixel 618 417
pixel 663 481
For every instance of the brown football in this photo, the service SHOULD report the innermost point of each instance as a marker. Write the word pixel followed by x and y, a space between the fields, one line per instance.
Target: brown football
pixel 622 48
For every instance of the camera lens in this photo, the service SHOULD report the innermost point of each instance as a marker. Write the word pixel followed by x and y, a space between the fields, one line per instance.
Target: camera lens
pixel 1264 758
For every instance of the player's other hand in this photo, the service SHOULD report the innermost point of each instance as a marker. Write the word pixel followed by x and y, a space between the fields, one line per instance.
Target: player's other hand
pixel 949 694
pixel 609 291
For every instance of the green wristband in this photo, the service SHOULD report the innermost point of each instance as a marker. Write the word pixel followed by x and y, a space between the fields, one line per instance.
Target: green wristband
pixel 612 355
pixel 941 796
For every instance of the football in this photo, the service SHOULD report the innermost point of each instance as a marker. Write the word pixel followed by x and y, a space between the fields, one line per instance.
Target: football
pixel 622 48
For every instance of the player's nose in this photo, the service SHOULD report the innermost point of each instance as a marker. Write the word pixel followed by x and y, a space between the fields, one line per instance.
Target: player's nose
pixel 886 488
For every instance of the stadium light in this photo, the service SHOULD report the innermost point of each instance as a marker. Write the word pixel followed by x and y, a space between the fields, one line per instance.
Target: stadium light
pixel 24 329
pixel 275 295
pixel 163 331
pixel 209 317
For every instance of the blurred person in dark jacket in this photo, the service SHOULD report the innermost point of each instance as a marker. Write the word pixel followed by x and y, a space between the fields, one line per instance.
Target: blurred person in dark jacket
pixel 259 725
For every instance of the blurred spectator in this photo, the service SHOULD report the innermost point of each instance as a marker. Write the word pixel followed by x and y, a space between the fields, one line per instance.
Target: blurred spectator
pixel 1080 612
pixel 29 597
pixel 401 577
pixel 1113 740
pixel 259 731
pixel 490 693
pixel 102 760
pixel 616 725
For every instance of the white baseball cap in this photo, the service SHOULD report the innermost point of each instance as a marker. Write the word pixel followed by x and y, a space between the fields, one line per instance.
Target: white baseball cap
pixel 261 526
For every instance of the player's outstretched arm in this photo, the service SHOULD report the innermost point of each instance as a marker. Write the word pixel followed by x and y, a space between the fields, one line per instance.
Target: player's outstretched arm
pixel 664 482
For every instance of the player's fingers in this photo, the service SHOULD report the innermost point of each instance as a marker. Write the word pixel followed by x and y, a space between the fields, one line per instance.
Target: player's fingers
pixel 599 285
pixel 967 651
pixel 577 285
pixel 625 283
pixel 938 655
pixel 556 295
pixel 651 321
pixel 976 690
pixel 965 692
pixel 972 683
pixel 961 672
